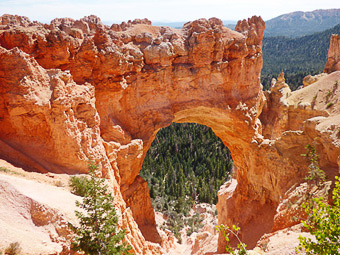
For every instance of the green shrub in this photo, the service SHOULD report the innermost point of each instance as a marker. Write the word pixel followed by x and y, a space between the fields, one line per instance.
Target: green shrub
pixel 98 233
pixel 4 169
pixel 79 185
pixel 226 231
pixel 175 224
pixel 324 223
pixel 329 94
pixel 194 223
pixel 13 249
pixel 329 105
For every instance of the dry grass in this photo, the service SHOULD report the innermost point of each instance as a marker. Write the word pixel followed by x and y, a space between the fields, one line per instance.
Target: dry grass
pixel 8 171
pixel 13 249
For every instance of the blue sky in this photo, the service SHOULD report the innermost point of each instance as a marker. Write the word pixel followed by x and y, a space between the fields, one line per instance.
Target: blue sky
pixel 159 10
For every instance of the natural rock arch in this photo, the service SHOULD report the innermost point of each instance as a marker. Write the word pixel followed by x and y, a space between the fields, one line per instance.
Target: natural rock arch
pixel 137 79
pixel 215 83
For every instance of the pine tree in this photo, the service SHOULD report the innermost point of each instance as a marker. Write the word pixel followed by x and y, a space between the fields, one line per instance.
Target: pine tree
pixel 152 192
pixel 97 233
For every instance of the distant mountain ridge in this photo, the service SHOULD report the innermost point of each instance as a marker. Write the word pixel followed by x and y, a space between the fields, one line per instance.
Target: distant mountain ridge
pixel 297 57
pixel 294 24
pixel 299 23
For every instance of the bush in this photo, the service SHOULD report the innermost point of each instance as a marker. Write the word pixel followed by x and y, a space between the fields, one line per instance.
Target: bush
pixel 58 184
pixel 4 169
pixel 195 224
pixel 324 223
pixel 13 249
pixel 329 105
pixel 226 231
pixel 98 233
pixel 175 223
pixel 79 185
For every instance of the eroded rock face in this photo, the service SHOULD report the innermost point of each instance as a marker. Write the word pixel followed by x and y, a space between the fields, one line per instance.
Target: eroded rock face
pixel 333 63
pixel 50 121
pixel 119 86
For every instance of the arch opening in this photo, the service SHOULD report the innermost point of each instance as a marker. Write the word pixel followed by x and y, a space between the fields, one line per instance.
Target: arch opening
pixel 185 165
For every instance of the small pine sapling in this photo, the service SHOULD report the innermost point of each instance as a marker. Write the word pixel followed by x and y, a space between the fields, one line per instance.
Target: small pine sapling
pixel 97 233
pixel 315 174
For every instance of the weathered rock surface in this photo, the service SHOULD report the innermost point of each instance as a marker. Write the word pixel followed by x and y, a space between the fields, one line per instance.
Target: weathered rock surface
pixel 119 86
pixel 137 197
pixel 290 120
pixel 203 240
pixel 282 241
pixel 309 79
pixel 36 215
pixel 290 211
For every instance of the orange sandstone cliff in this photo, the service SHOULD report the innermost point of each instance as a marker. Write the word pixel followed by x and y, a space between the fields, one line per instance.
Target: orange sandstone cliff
pixel 333 63
pixel 76 90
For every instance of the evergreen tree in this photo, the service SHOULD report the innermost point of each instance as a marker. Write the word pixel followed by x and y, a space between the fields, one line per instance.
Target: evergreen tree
pixel 97 233
pixel 297 57
pixel 186 163
pixel 152 192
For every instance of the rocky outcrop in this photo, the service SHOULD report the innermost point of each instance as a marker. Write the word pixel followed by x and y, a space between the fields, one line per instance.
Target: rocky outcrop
pixel 333 63
pixel 309 79
pixel 138 199
pixel 118 86
pixel 282 241
pixel 290 211
pixel 42 112
pixel 274 167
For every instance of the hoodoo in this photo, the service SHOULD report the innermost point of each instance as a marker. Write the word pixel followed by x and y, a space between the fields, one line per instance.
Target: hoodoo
pixel 333 63
pixel 76 90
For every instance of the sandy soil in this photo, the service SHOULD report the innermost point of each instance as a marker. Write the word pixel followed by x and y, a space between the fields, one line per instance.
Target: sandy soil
pixel 34 209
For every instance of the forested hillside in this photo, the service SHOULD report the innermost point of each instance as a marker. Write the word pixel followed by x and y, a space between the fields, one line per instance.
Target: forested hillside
pixel 297 24
pixel 186 160
pixel 297 57
pixel 186 163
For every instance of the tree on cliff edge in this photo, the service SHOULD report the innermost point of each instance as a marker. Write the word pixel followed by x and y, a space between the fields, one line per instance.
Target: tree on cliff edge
pixel 97 233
